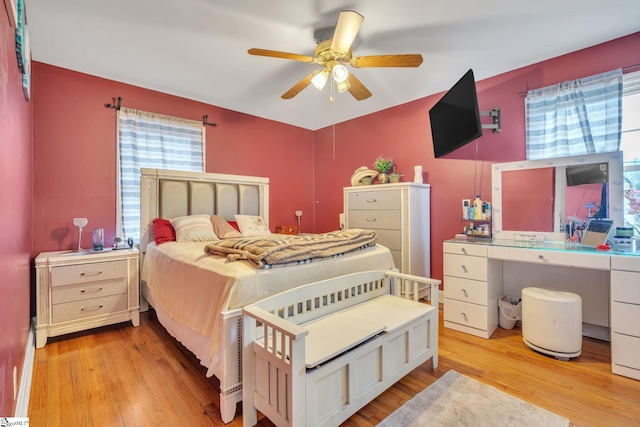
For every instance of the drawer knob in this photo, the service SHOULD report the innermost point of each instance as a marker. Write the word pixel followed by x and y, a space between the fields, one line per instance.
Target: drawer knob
pixel 83 291
pixel 464 251
pixel 464 268
pixel 540 256
pixel 92 273
pixel 464 316
pixel 372 200
pixel 372 219
pixel 92 308
pixel 465 293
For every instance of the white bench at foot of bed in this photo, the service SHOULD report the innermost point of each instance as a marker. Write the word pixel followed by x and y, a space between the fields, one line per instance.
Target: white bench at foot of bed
pixel 316 354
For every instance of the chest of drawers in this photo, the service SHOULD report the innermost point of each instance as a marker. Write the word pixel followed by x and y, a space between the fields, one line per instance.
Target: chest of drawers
pixel 79 291
pixel 625 312
pixel 472 287
pixel 399 214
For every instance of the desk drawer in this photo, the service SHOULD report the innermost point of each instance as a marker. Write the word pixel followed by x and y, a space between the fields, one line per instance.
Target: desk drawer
pixel 628 263
pixel 83 291
pixel 375 219
pixel 90 272
pixel 625 287
pixel 624 319
pixel 471 315
pixel 472 291
pixel 465 249
pixel 593 261
pixel 467 267
pixel 624 351
pixel 88 308
pixel 380 199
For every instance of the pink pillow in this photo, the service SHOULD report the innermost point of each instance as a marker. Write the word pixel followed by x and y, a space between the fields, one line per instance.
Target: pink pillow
pixel 163 231
pixel 223 229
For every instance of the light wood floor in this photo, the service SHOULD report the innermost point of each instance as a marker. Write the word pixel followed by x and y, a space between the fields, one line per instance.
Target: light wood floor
pixel 125 376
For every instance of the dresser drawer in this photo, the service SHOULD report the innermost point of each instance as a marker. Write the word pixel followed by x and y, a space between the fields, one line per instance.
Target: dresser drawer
pixel 467 267
pixel 89 308
pixel 83 291
pixel 625 287
pixel 472 291
pixel 381 199
pixel 375 219
pixel 463 313
pixel 549 257
pixel 90 272
pixel 465 249
pixel 624 319
pixel 392 239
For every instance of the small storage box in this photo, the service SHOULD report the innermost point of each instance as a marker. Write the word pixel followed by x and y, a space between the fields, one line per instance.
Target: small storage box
pixel 552 322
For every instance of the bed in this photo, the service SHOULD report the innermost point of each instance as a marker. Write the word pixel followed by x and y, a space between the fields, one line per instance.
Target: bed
pixel 198 297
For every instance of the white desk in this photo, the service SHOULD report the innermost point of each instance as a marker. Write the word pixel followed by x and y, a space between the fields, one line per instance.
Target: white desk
pixel 477 272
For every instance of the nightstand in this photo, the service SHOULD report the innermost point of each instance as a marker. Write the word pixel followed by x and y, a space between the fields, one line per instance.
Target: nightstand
pixel 76 291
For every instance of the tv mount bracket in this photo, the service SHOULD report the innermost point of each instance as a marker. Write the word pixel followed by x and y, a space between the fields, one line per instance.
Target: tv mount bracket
pixel 495 114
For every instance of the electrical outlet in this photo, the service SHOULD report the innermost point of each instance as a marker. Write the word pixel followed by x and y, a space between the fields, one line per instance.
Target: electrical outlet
pixel 15 382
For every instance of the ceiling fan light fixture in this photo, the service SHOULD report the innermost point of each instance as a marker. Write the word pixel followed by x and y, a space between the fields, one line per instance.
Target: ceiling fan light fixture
pixel 320 79
pixel 340 73
pixel 343 85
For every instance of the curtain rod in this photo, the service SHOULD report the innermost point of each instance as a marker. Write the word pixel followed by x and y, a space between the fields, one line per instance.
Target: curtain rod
pixel 116 104
pixel 623 69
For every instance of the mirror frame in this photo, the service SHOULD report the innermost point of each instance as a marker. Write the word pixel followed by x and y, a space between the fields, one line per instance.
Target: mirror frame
pixel 615 196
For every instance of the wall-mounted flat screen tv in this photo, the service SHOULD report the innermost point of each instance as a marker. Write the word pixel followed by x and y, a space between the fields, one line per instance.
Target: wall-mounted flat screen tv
pixel 455 118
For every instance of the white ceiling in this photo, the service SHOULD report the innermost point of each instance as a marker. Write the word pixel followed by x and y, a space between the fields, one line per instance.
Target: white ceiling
pixel 197 49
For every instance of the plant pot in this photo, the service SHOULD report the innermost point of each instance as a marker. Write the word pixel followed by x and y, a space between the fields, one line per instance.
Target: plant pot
pixel 383 177
pixel 395 177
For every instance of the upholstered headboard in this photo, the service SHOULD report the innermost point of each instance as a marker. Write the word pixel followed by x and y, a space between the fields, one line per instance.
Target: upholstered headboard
pixel 169 194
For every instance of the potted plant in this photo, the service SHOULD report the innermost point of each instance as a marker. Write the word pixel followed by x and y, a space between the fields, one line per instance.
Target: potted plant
pixel 383 166
pixel 394 176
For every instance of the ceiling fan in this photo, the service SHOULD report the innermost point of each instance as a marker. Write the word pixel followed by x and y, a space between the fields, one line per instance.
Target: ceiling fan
pixel 334 53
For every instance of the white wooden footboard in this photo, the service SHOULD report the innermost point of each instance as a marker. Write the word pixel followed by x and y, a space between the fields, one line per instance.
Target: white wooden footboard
pixel 316 354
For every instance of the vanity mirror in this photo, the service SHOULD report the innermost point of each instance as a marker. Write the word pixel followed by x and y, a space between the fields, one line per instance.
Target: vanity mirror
pixel 532 197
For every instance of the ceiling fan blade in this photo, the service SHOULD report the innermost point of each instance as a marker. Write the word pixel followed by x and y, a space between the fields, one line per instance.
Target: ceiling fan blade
pixel 409 60
pixel 346 30
pixel 283 55
pixel 298 87
pixel 357 89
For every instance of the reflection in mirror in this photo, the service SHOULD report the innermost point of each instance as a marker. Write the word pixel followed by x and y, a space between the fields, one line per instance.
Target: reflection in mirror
pixel 534 197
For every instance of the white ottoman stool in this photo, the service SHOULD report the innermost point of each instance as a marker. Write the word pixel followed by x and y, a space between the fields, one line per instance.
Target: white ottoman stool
pixel 552 322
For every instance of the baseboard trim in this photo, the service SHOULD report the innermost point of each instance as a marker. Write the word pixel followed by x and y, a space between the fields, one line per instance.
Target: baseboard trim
pixel 24 390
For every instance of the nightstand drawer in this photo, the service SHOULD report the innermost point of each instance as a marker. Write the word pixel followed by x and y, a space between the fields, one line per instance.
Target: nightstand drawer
pixel 90 272
pixel 375 219
pixel 465 249
pixel 473 291
pixel 89 308
pixel 83 291
pixel 467 267
pixel 380 199
pixel 471 315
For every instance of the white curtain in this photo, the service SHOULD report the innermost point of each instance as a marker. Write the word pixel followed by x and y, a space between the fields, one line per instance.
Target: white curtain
pixel 149 140
pixel 582 116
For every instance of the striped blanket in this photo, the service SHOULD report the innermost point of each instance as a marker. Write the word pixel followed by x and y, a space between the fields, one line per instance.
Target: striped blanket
pixel 281 250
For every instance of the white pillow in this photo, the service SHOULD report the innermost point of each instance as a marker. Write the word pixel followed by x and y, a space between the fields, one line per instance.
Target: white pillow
pixel 250 225
pixel 194 228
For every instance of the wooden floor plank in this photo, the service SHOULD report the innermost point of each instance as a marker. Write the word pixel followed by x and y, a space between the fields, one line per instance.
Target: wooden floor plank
pixel 121 375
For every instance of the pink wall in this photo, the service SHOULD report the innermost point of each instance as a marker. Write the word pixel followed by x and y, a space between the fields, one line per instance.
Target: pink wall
pixel 403 133
pixel 75 154
pixel 15 216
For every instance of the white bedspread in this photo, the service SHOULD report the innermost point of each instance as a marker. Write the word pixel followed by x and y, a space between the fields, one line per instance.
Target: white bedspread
pixel 189 289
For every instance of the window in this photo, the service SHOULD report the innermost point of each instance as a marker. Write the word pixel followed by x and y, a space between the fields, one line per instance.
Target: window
pixel 630 145
pixel 149 140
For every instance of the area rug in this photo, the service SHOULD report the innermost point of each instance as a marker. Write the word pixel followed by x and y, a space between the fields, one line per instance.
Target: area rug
pixel 456 400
